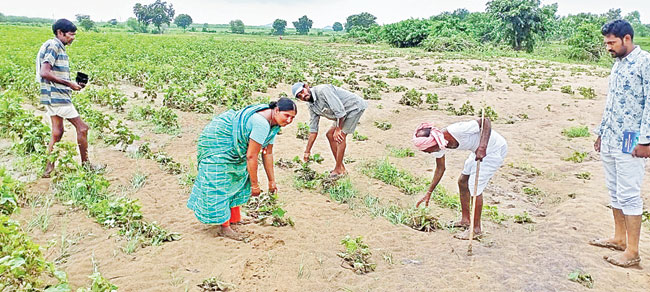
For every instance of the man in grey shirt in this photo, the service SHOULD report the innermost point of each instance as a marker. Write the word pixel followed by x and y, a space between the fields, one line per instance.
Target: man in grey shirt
pixel 334 103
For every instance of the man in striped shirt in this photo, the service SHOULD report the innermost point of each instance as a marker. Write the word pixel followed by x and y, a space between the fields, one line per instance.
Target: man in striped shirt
pixel 53 74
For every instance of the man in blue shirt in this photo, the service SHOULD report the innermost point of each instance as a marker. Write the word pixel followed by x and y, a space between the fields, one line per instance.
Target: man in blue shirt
pixel 627 112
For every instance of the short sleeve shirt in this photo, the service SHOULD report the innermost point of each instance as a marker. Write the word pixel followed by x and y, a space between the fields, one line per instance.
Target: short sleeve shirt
pixel 52 93
pixel 259 129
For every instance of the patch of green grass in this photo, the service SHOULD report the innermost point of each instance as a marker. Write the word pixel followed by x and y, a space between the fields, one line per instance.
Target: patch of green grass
pixel 385 171
pixel 138 180
pixel 341 191
pixel 527 167
pixel 532 191
pixel 401 152
pixel 575 132
pixel 577 157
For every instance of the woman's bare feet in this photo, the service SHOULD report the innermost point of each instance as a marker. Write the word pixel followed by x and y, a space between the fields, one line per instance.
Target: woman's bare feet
pixel 228 232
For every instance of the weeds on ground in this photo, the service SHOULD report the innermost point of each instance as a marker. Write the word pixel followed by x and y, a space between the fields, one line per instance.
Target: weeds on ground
pixel 575 132
pixel 383 125
pixel 358 137
pixel 340 191
pixel 306 178
pixel 587 92
pixel 523 218
pixel 526 167
pixel 385 171
pixel 567 89
pixel 401 152
pixel 582 278
pixel 584 175
pixel 576 157
pixel 356 255
pixel 492 212
pixel 215 284
pixel 411 98
pixel 267 206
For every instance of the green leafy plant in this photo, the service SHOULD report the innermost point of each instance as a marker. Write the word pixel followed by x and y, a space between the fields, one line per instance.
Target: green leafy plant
pixel 587 92
pixel 267 206
pixel 383 125
pixel 584 175
pixel 523 218
pixel 411 98
pixel 582 278
pixel 356 255
pixel 358 137
pixel 577 157
pixel 492 212
pixel 303 131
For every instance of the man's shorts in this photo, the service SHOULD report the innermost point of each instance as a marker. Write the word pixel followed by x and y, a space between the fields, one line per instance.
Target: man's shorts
pixel 490 164
pixel 623 177
pixel 66 111
pixel 351 121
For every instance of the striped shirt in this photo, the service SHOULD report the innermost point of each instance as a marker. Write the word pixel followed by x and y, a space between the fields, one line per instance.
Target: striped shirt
pixel 52 93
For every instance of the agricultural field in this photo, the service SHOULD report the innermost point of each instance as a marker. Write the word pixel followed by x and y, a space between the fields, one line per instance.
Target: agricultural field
pixel 150 96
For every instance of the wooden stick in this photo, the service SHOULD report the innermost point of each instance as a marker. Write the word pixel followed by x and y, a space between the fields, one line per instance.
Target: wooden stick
pixel 478 168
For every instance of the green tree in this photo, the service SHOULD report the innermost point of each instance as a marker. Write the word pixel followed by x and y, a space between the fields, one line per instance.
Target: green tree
pixel 279 25
pixel 142 14
pixel 183 20
pixel 161 13
pixel 237 26
pixel 303 24
pixel 158 13
pixel 613 14
pixel 85 22
pixel 337 26
pixel 521 21
pixel 362 20
pixel 2 18
pixel 135 26
pixel 113 21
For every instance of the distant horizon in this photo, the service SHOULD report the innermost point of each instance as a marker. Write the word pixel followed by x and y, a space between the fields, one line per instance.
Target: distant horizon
pixel 263 12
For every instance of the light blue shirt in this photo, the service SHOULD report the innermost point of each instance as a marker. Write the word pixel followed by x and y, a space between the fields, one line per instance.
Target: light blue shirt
pixel 628 101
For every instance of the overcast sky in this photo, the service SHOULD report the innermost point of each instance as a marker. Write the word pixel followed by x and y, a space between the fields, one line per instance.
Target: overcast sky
pixel 261 12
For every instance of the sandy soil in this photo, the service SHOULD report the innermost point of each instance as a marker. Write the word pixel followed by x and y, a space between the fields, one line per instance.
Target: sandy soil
pixel 512 257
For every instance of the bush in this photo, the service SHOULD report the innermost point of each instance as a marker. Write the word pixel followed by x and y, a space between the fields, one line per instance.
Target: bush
pixel 586 44
pixel 411 98
pixel 362 35
pixel 406 33
pixel 457 43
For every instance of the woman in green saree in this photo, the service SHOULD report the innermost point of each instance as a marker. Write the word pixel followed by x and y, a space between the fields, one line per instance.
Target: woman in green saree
pixel 228 150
